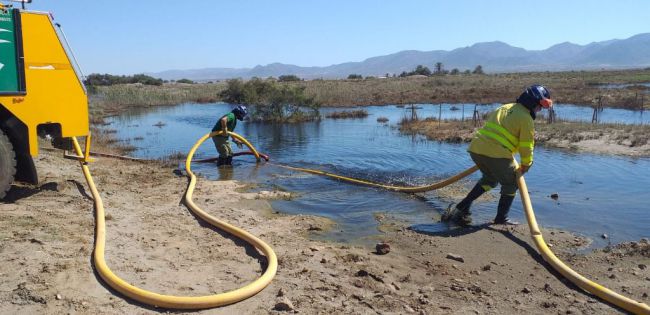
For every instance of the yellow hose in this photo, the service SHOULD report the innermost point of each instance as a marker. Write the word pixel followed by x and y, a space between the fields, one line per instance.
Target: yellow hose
pixel 407 189
pixel 170 301
pixel 577 279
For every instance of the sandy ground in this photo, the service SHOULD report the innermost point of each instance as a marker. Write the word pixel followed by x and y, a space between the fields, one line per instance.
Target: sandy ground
pixel 47 231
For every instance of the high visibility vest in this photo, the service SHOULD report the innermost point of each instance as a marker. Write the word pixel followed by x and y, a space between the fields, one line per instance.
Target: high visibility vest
pixel 508 130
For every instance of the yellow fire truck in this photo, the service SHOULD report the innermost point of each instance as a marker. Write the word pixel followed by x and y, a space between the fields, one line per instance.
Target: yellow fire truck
pixel 41 91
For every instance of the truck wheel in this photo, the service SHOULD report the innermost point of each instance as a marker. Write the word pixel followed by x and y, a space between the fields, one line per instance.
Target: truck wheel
pixel 7 164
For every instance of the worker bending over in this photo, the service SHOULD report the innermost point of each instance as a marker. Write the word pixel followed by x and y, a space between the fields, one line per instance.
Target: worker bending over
pixel 226 123
pixel 507 130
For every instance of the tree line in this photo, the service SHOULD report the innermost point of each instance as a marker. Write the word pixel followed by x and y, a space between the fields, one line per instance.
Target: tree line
pixel 98 79
pixel 439 69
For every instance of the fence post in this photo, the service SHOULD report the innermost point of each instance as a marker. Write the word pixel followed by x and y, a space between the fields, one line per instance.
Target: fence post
pixel 475 116
pixel 414 114
pixel 551 115
pixel 463 117
pixel 597 109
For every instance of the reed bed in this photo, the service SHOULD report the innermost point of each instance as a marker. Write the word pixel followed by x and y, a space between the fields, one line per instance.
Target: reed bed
pixel 361 113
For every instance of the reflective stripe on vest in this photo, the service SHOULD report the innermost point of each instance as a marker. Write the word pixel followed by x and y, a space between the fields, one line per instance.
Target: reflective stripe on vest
pixel 527 160
pixel 501 135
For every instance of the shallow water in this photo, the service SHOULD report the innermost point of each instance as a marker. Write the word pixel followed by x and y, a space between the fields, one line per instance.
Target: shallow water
pixel 598 194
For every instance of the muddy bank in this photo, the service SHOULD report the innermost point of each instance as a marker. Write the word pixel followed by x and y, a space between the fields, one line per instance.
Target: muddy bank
pixel 629 140
pixel 46 235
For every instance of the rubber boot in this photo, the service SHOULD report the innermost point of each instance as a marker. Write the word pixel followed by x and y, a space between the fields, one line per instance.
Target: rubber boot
pixel 466 203
pixel 461 214
pixel 502 210
pixel 228 161
pixel 453 214
pixel 220 161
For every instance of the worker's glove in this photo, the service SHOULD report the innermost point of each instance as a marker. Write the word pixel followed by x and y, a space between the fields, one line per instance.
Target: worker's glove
pixel 238 143
pixel 523 169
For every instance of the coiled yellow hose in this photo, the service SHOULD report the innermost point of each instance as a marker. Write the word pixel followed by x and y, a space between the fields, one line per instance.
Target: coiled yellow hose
pixel 170 301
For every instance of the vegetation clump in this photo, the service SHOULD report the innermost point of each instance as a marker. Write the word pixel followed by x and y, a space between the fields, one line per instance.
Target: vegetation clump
pixel 361 113
pixel 186 81
pixel 272 101
pixel 288 78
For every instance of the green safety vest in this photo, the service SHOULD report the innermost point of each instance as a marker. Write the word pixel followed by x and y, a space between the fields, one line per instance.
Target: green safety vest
pixel 508 130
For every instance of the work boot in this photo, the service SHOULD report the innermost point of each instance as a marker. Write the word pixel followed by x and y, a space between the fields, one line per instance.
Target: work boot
pixel 502 211
pixel 462 217
pixel 476 192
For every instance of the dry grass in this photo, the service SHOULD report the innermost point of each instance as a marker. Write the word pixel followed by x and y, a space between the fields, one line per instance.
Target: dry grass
pixel 574 87
pixel 361 113
pixel 112 100
pixel 628 135
pixel 455 131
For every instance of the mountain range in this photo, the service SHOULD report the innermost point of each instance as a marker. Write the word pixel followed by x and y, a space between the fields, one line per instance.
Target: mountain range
pixel 494 57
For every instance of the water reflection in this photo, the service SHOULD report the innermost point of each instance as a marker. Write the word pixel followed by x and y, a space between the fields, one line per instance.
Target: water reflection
pixel 225 173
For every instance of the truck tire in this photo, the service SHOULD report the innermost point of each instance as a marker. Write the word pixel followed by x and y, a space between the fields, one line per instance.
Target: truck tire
pixel 7 164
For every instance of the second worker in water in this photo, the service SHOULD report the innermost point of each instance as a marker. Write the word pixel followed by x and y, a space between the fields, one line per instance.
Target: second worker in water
pixel 507 130
pixel 226 123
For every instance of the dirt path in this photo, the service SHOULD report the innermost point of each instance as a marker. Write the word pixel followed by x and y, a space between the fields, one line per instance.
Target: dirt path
pixel 46 242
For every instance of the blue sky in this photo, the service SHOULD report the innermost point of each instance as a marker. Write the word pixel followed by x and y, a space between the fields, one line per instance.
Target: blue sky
pixel 133 36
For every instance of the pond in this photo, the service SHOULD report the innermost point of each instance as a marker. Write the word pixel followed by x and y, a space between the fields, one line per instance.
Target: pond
pixel 597 194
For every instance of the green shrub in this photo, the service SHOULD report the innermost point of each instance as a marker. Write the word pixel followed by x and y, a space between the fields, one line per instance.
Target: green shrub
pixel 288 78
pixel 272 101
pixel 96 79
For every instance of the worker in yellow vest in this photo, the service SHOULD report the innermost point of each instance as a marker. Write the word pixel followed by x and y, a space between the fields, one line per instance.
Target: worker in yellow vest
pixel 507 130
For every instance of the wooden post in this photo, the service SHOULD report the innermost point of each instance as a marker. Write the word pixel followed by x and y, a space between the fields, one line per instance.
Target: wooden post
pixel 475 116
pixel 414 114
pixel 600 104
pixel 597 109
pixel 439 114
pixel 551 115
pixel 463 117
pixel 642 101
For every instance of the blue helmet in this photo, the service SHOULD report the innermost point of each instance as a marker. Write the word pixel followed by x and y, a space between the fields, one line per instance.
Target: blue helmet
pixel 535 95
pixel 240 112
